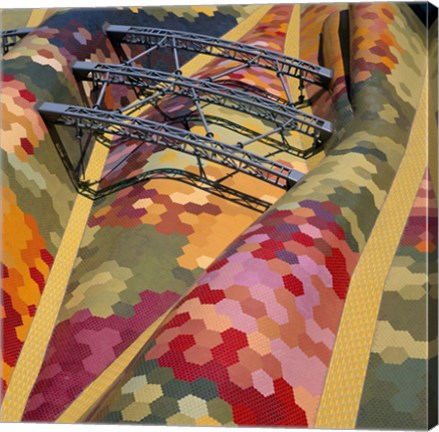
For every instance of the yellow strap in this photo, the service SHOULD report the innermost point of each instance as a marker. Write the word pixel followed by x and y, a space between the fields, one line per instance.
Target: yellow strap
pixel 38 16
pixel 34 349
pixel 292 48
pixel 98 389
pixel 344 382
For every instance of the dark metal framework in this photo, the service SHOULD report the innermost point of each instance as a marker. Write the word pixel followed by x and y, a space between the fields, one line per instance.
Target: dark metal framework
pixel 152 88
pixel 156 84
pixel 248 55
pixel 111 123
pixel 94 190
pixel 11 37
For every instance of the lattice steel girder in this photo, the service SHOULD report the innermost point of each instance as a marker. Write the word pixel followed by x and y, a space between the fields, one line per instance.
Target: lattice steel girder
pixel 240 52
pixel 10 37
pixel 105 122
pixel 206 91
pixel 90 71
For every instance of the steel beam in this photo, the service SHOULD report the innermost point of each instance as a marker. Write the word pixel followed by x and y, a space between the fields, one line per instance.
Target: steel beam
pixel 10 37
pixel 218 47
pixel 234 157
pixel 209 92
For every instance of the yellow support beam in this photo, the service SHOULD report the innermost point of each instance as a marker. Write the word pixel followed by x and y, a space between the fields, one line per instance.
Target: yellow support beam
pixel 347 371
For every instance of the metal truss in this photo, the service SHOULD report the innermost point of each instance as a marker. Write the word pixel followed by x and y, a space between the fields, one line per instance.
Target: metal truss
pixel 155 84
pixel 104 123
pixel 248 55
pixel 151 79
pixel 152 88
pixel 199 180
pixel 11 37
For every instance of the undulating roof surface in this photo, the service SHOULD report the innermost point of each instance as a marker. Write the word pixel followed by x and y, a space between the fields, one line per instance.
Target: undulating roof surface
pixel 158 264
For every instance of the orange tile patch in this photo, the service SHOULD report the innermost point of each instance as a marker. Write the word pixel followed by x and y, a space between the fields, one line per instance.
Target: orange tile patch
pixel 25 266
